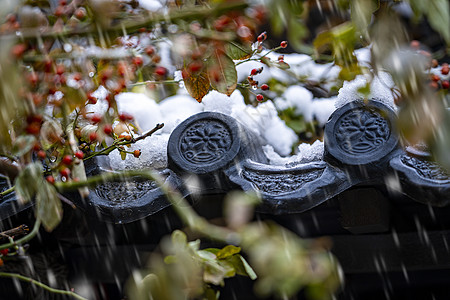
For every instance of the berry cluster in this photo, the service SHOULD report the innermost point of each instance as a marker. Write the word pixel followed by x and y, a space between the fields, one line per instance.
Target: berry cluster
pixel 439 78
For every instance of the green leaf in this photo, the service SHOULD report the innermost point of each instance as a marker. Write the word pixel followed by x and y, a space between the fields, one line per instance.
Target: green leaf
pixel 282 65
pixel 361 13
pixel 228 251
pixel 238 52
pixel 438 14
pixel 365 90
pixel 215 272
pixel 48 205
pixel 212 250
pixel 222 72
pixel 296 33
pixel 197 85
pixel 211 294
pixel 206 255
pixel 27 182
pixel 50 132
pixel 418 7
pixel 179 239
pixel 170 259
pixel 123 155
pixel 251 273
pixel 23 144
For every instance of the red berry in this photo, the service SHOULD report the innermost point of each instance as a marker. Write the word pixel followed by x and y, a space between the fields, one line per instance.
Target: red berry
pixel 50 179
pixel 262 37
pixel 65 172
pixel 435 77
pixel 4 252
pixel 77 76
pixel 59 11
pixel 106 74
pixel 1 262
pixel 18 50
pixel 121 68
pixel 137 153
pixel 41 154
pixel 33 128
pixel 96 118
pixel 60 69
pixel 283 44
pixel 67 160
pixel 137 61
pixel 156 59
pixel 259 97
pixel 253 72
pixel 93 136
pixel 445 70
pixel 196 54
pixel 415 44
pixel 11 18
pixel 80 13
pixel 91 98
pixel 149 50
pixel 48 65
pixel 445 84
pixel 62 2
pixel 36 147
pixel 107 129
pixel 125 117
pixel 32 78
pixel 195 66
pixel 79 154
pixel 433 85
pixel 264 87
pixel 161 71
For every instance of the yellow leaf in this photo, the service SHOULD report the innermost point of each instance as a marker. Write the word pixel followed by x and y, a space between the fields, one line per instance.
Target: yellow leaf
pixel 222 72
pixel 196 84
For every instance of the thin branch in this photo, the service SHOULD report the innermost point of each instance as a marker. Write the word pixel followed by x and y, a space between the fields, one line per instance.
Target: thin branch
pixel 20 230
pixel 117 143
pixel 155 82
pixel 181 206
pixel 67 201
pixel 40 284
pixel 7 191
pixel 26 238
pixel 157 127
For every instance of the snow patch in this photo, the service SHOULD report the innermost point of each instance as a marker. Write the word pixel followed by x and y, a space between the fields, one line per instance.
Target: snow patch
pixel 380 90
pixel 305 153
pixel 153 154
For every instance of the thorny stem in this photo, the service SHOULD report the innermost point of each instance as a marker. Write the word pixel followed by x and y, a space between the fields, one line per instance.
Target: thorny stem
pixel 181 206
pixel 121 142
pixel 40 284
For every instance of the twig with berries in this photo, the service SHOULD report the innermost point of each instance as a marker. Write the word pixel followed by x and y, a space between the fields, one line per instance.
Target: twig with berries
pixel 261 58
pixel 120 142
